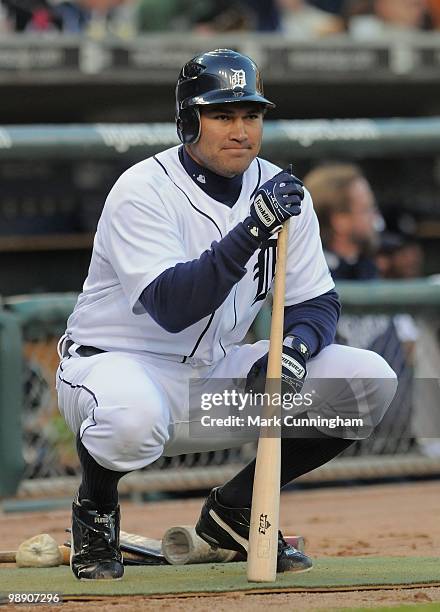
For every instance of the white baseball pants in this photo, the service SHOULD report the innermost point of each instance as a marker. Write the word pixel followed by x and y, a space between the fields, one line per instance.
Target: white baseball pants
pixel 132 408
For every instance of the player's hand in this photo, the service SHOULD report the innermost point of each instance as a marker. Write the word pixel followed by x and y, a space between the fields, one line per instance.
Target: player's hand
pixel 277 200
pixel 293 371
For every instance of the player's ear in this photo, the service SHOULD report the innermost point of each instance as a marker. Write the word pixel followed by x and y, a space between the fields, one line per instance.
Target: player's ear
pixel 188 125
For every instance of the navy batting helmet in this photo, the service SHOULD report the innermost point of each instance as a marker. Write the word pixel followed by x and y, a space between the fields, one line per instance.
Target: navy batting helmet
pixel 214 77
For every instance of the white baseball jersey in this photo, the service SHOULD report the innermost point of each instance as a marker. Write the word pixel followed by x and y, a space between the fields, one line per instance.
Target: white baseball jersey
pixel 155 217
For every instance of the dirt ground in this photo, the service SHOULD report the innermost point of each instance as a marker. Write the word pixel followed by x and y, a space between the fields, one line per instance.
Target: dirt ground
pixel 385 520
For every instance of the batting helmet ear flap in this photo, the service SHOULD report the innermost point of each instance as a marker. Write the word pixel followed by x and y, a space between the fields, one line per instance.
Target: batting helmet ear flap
pixel 188 125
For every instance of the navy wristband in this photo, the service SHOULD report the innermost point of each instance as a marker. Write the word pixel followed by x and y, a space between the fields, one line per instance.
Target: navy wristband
pixel 298 345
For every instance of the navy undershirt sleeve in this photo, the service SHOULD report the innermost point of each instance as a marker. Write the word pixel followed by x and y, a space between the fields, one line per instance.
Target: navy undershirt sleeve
pixel 190 291
pixel 314 321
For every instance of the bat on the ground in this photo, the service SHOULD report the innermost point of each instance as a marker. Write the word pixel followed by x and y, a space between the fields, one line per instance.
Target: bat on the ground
pixel 179 546
pixel 133 555
pixel 7 556
pixel 263 532
pixel 43 551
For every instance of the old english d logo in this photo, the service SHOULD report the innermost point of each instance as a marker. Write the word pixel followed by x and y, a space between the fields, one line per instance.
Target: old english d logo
pixel 264 269
pixel 238 78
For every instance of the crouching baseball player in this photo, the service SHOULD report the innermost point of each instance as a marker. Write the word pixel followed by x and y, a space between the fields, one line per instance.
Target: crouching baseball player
pixel 183 257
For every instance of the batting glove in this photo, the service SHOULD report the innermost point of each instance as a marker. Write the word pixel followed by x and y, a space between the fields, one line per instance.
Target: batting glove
pixel 276 200
pixel 293 371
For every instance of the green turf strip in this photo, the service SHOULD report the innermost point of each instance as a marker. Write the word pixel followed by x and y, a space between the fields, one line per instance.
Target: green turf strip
pixel 327 573
pixel 430 607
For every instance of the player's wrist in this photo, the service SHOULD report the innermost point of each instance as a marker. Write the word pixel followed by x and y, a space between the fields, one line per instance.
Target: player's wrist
pixel 294 343
pixel 294 364
pixel 254 229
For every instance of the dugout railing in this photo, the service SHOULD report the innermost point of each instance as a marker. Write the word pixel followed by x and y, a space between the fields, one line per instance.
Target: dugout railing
pixel 400 320
pixel 353 138
pixel 70 168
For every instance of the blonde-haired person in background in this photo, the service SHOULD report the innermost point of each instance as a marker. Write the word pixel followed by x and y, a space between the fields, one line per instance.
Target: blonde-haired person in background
pixel 349 226
pixel 348 218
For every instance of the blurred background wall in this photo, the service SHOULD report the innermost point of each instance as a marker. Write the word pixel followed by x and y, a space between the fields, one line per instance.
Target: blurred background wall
pixel 100 61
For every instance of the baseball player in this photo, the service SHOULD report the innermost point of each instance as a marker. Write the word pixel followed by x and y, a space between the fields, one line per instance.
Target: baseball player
pixel 183 257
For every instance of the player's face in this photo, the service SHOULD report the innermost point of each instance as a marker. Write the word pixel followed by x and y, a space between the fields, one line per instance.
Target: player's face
pixel 230 137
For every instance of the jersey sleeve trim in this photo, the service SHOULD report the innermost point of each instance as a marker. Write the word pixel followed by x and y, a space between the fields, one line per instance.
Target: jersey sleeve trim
pixel 135 304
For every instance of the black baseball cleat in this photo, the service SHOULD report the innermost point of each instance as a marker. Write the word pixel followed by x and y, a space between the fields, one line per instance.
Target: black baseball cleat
pixel 95 552
pixel 224 527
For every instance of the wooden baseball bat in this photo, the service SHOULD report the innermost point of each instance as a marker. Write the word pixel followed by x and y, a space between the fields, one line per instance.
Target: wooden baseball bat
pixel 263 532
pixel 188 549
pixel 7 556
